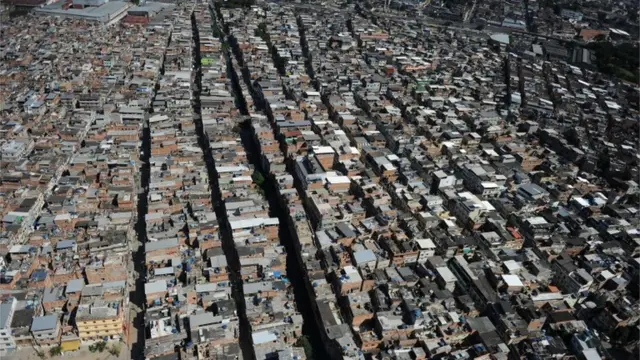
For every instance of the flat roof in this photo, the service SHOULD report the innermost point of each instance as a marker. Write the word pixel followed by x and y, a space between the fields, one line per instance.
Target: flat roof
pixel 323 150
pixel 591 354
pixel 446 274
pixel 364 256
pixel 512 280
pixel 249 223
pixel 426 243
pixel 152 7
pixel 161 244
pixel 164 271
pixel 207 287
pixel 5 312
pixel 338 180
pixel 90 13
pixel 501 38
pixel 263 337
pixel 205 318
pixel 155 287
pixel 48 322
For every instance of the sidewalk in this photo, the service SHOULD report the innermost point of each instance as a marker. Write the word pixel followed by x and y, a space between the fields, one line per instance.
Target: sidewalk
pixel 83 353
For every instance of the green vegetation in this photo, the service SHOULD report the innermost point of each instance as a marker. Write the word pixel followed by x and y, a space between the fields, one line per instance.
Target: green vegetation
pixel 115 350
pixel 99 347
pixel 215 30
pixel 214 26
pixel 40 354
pixel 258 178
pixel 305 343
pixel 261 31
pixel 55 351
pixel 620 60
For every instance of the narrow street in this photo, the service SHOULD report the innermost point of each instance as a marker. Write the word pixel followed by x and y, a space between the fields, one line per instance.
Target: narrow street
pixel 288 239
pixel 137 278
pixel 135 325
pixel 286 233
pixel 228 245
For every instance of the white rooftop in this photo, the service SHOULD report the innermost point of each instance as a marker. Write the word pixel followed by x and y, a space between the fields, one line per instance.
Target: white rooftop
pixel 512 281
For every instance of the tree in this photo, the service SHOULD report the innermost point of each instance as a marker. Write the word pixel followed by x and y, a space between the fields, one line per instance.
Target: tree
pixel 215 30
pixel 262 32
pixel 99 347
pixel 40 354
pixel 305 343
pixel 620 60
pixel 115 350
pixel 55 351
pixel 258 178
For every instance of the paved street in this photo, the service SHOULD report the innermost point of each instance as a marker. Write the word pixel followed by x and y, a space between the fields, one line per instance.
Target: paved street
pixel 83 353
pixel 137 272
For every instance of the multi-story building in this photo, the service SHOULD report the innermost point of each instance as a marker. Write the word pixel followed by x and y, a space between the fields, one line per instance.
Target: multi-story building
pixel 569 278
pixel 7 309
pixel 46 330
pixel 100 319
pixel 14 150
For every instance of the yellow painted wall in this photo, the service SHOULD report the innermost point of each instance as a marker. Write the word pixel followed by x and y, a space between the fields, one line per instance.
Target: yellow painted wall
pixel 70 345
